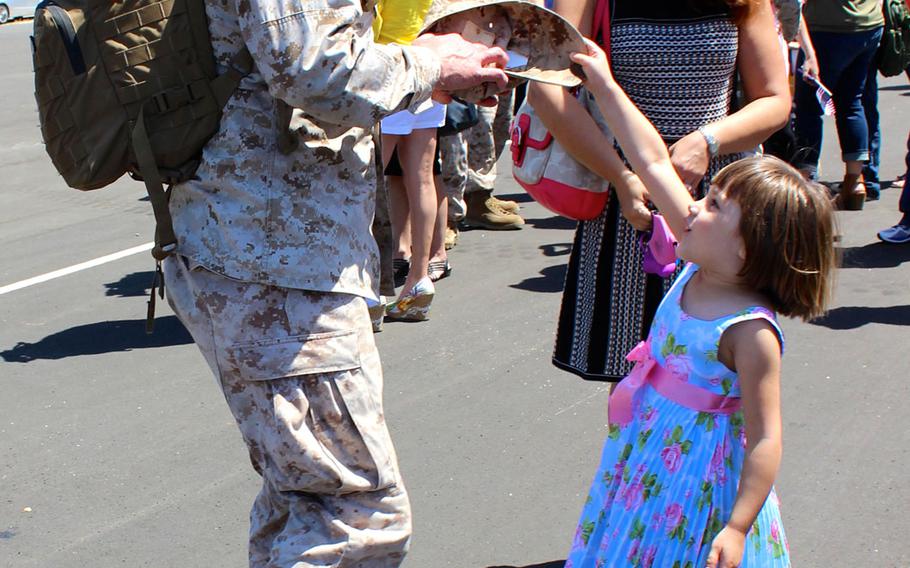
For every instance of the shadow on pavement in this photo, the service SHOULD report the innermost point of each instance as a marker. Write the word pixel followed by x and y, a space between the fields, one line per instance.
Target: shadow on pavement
pixel 556 249
pixel 135 284
pixel 554 222
pixel 874 255
pixel 551 279
pixel 516 197
pixel 852 317
pixel 101 337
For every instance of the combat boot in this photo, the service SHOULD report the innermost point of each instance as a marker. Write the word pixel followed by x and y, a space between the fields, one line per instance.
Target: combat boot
pixel 451 238
pixel 484 213
pixel 506 205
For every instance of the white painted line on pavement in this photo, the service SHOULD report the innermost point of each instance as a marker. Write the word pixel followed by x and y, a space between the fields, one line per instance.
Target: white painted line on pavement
pixel 75 268
pixel 597 392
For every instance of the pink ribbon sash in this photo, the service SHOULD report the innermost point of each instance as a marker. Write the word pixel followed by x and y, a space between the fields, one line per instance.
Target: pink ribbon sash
pixel 648 371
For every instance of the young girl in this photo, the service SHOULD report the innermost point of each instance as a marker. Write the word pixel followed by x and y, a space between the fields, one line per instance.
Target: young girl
pixel 694 444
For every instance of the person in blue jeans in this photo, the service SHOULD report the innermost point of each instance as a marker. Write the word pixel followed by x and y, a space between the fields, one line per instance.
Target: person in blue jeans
pixel 870 107
pixel 845 36
pixel 900 233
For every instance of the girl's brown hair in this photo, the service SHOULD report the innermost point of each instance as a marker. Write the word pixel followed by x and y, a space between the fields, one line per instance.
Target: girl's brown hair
pixel 788 229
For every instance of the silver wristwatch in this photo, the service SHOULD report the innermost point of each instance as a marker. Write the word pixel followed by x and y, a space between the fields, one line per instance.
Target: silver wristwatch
pixel 713 145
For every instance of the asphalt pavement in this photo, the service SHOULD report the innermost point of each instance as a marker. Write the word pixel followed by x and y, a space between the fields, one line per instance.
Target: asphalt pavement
pixel 116 448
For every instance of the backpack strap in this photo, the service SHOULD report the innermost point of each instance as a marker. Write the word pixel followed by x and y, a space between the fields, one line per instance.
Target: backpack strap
pixel 223 86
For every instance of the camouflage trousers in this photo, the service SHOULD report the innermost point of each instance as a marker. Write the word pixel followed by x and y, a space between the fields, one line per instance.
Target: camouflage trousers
pixel 301 375
pixel 469 157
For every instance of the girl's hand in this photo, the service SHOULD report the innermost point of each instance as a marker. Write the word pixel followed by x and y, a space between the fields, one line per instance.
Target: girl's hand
pixel 727 549
pixel 633 198
pixel 595 65
pixel 690 156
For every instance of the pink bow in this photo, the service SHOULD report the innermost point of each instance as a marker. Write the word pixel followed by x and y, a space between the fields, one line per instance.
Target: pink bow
pixel 621 404
pixel 648 371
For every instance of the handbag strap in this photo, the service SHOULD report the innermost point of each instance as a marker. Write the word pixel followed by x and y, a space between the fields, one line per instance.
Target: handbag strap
pixel 601 25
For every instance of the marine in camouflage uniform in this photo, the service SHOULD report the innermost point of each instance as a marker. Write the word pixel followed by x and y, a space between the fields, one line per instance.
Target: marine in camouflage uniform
pixel 469 157
pixel 275 260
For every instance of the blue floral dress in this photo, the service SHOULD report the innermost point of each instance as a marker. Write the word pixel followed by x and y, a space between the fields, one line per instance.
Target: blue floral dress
pixel 668 478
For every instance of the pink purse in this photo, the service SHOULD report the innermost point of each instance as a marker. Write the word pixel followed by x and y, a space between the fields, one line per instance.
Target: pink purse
pixel 658 248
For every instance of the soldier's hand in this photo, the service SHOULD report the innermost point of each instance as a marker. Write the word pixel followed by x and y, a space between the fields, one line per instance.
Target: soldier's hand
pixel 464 64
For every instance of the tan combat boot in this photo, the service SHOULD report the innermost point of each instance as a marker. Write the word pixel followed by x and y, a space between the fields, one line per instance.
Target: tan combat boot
pixel 484 213
pixel 451 238
pixel 506 205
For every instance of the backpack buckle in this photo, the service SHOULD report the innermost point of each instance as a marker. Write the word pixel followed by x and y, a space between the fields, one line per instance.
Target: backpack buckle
pixel 169 100
pixel 161 103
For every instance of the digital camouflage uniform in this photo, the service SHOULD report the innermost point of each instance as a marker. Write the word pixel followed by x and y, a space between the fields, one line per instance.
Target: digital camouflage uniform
pixel 469 157
pixel 275 260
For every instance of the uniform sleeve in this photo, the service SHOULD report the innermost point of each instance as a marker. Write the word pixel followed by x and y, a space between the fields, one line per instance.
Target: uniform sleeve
pixel 319 56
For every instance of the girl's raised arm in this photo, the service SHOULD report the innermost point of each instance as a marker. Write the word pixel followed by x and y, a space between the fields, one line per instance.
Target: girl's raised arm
pixel 641 143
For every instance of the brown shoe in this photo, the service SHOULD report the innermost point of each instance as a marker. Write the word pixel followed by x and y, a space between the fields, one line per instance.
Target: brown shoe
pixel 506 205
pixel 484 213
pixel 852 194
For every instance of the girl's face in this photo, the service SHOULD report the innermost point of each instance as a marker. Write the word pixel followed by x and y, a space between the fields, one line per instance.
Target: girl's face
pixel 712 239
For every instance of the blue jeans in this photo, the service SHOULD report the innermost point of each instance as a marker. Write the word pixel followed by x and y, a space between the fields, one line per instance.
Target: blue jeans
pixel 904 203
pixel 870 106
pixel 844 60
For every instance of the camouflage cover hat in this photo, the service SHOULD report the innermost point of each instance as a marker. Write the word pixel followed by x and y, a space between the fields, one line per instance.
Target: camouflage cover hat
pixel 539 40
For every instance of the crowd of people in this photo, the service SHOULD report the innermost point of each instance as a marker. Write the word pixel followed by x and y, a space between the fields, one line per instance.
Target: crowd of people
pixel 691 92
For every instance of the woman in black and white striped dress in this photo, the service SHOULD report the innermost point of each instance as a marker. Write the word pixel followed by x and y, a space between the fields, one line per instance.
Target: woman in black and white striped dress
pixel 677 61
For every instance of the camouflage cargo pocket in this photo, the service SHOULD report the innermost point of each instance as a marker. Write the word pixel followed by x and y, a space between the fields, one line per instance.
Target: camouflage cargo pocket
pixel 313 422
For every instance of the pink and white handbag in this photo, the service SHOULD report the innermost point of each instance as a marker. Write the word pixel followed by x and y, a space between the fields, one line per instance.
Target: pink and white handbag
pixel 548 173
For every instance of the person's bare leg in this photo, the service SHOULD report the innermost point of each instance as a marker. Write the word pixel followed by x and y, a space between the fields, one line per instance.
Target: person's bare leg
pixel 400 213
pixel 398 199
pixel 416 152
pixel 437 247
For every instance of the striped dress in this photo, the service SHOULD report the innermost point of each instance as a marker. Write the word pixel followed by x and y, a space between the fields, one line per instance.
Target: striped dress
pixel 677 64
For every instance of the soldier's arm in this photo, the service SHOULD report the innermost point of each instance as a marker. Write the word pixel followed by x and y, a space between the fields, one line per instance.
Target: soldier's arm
pixel 319 56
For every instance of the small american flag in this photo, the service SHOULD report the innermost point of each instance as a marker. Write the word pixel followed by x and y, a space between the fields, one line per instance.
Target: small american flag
pixel 824 98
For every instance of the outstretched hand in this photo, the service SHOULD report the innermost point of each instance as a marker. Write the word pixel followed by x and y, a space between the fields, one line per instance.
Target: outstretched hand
pixel 595 66
pixel 464 64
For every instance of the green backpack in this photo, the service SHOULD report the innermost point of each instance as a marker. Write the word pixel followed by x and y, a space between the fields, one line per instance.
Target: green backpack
pixel 894 51
pixel 129 86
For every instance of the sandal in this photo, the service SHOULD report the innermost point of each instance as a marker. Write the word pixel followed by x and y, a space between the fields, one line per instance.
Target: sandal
pixel 413 305
pixel 852 194
pixel 439 269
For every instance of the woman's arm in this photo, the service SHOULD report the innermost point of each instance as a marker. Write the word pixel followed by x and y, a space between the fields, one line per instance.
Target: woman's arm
pixel 565 118
pixel 756 355
pixel 764 81
pixel 810 65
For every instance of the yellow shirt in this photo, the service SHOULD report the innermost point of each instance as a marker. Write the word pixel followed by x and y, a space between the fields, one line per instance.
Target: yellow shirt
pixel 399 21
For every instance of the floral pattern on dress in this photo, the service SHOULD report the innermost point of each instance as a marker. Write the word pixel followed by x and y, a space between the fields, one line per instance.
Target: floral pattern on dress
pixel 668 479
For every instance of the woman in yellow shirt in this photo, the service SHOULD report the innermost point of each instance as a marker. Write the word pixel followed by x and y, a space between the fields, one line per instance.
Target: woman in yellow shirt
pixel 415 206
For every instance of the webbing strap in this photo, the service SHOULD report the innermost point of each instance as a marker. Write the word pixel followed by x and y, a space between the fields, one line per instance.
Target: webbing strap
pixel 147 52
pixel 136 19
pixel 157 286
pixel 165 240
pixel 191 74
pixel 223 85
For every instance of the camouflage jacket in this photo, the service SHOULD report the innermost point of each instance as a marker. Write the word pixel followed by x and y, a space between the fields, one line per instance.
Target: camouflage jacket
pixel 300 220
